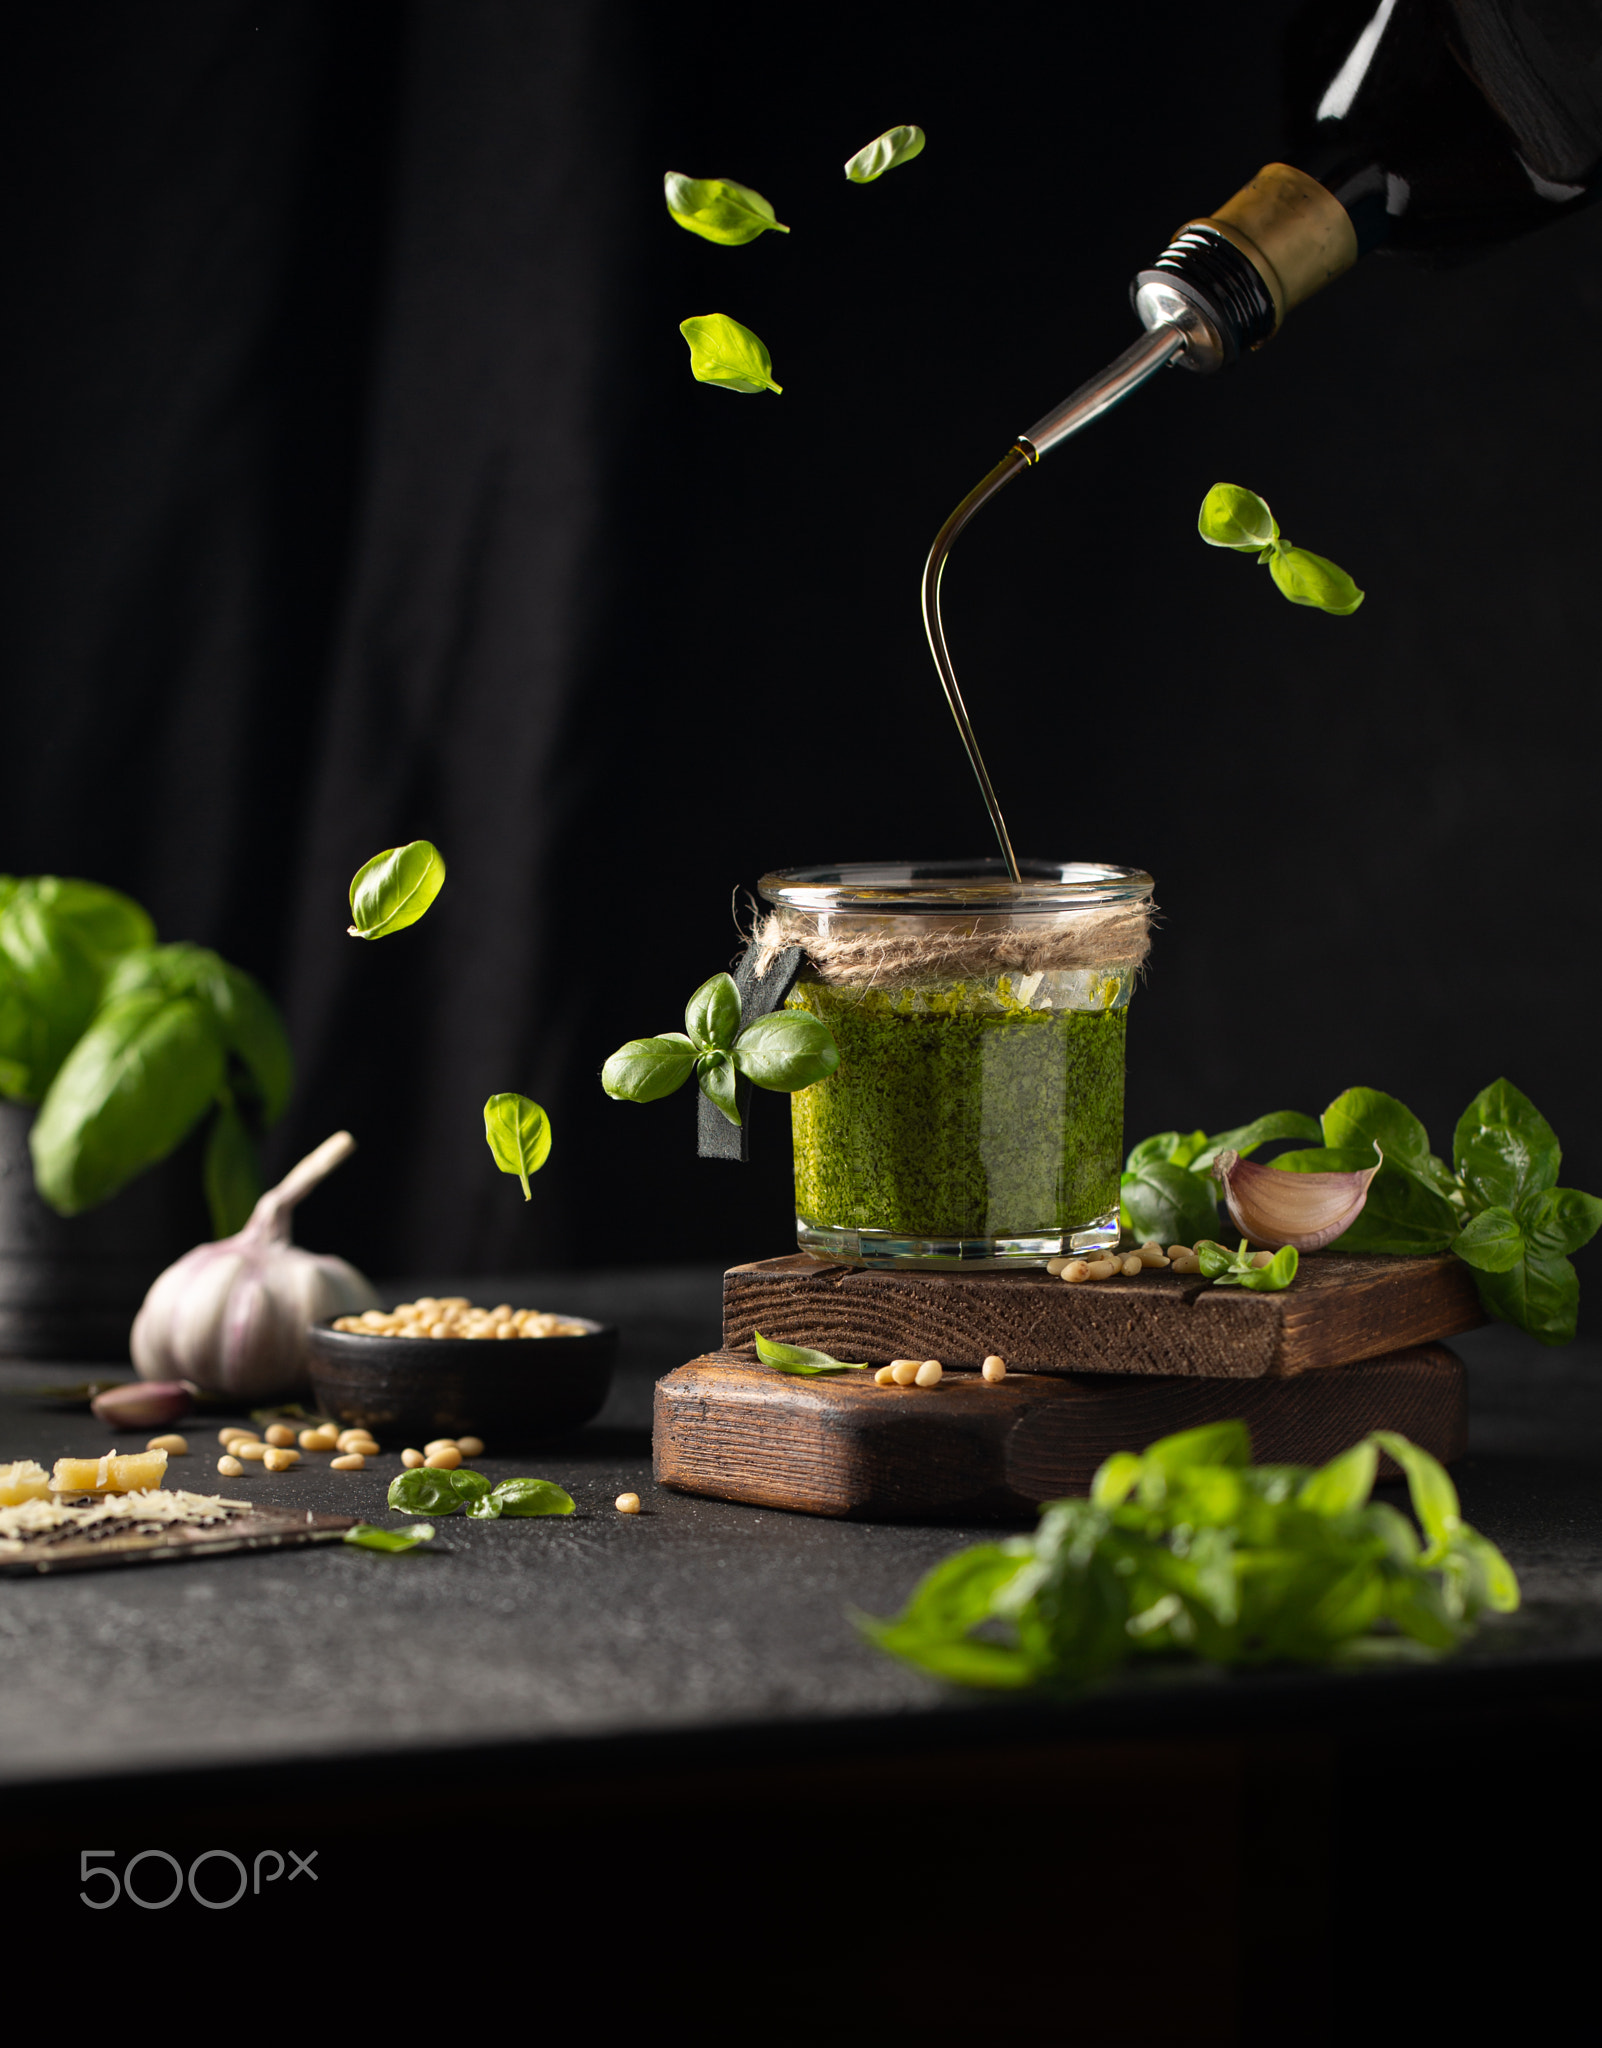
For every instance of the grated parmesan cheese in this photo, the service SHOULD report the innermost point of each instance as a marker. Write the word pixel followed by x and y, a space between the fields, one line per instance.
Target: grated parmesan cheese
pixel 32 1519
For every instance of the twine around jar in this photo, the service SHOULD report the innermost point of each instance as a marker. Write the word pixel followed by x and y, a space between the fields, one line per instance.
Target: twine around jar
pixel 902 951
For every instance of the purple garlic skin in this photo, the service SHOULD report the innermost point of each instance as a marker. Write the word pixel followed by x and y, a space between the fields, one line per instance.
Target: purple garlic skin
pixel 232 1316
pixel 1307 1210
pixel 145 1404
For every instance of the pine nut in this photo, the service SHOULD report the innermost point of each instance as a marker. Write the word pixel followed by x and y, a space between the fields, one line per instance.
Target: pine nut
pixel 1179 1251
pixel 928 1374
pixel 440 1443
pixel 904 1371
pixel 1259 1259
pixel 1101 1269
pixel 470 1446
pixel 411 1460
pixel 1055 1265
pixel 885 1376
pixel 249 1447
pixel 1132 1265
pixel 994 1369
pixel 175 1446
pixel 444 1461
pixel 279 1435
pixel 279 1458
pixel 311 1440
pixel 347 1461
pixel 230 1468
pixel 1076 1270
pixel 628 1503
pixel 226 1436
pixel 1148 1244
pixel 1188 1264
pixel 1153 1255
pixel 349 1439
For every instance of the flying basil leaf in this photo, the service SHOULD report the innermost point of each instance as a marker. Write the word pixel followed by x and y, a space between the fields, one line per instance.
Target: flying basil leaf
pixel 424 1491
pixel 1306 578
pixel 718 210
pixel 1167 1204
pixel 1245 1138
pixel 1504 1148
pixel 646 1069
pixel 712 1015
pixel 232 1172
pixel 132 1088
pixel 1233 517
pixel 518 1133
pixel 393 889
pixel 786 1051
pixel 1492 1242
pixel 720 1084
pixel 368 1536
pixel 725 353
pixel 532 1497
pixel 797 1358
pixel 895 146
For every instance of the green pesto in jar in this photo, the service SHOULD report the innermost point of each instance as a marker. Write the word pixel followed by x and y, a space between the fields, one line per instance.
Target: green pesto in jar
pixel 962 1111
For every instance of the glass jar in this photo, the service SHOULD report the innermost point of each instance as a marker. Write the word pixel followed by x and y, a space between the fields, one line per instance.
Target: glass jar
pixel 976 1118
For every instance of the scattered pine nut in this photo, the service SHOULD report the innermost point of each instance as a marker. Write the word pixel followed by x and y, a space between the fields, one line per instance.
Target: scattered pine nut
pixel 929 1373
pixel 628 1503
pixel 1151 1255
pixel 229 1467
pixel 1259 1259
pixel 1101 1269
pixel 347 1461
pixel 311 1440
pixel 904 1371
pixel 226 1436
pixel 279 1435
pixel 411 1460
pixel 174 1445
pixel 1148 1244
pixel 1180 1251
pixel 446 1460
pixel 1132 1265
pixel 1076 1270
pixel 1055 1265
pixel 249 1447
pixel 885 1376
pixel 470 1446
pixel 994 1369
pixel 352 1439
pixel 279 1458
pixel 1189 1263
pixel 441 1443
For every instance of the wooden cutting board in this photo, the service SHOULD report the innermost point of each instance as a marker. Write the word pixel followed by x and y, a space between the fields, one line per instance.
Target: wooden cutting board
pixel 1338 1309
pixel 970 1451
pixel 259 1529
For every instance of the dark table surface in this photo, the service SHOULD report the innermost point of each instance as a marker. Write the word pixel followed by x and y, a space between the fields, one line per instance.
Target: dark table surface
pixel 694 1621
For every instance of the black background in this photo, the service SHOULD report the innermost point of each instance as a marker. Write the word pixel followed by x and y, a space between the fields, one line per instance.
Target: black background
pixel 358 491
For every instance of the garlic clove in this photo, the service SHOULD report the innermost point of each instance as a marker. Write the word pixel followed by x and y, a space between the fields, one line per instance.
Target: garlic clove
pixel 1307 1210
pixel 143 1404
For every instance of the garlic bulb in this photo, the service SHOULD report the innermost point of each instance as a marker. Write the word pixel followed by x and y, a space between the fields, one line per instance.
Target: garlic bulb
pixel 231 1317
pixel 1307 1210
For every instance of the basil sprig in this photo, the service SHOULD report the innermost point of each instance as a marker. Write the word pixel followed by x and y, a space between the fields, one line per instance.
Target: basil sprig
pixel 1497 1206
pixel 394 888
pixel 1232 517
pixel 718 210
pixel 427 1491
pixel 723 352
pixel 1191 1549
pixel 783 1052
pixel 518 1133
pixel 798 1358
pixel 1236 1269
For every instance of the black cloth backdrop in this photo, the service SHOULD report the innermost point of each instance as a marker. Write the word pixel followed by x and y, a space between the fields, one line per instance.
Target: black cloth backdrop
pixel 358 491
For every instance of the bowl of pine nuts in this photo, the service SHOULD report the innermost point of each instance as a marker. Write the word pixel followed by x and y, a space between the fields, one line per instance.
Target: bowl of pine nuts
pixel 440 1366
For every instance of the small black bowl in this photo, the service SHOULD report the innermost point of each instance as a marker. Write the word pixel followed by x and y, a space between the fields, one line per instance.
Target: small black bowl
pixel 511 1392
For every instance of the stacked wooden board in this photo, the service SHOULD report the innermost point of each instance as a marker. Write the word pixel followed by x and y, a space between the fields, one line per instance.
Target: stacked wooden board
pixel 1353 1345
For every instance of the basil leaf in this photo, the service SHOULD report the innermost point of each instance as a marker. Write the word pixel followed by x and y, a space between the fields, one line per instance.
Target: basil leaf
pixel 796 1358
pixel 1404 1213
pixel 232 1172
pixel 532 1497
pixel 1362 1118
pixel 1504 1148
pixel 1166 1145
pixel 1306 578
pixel 254 1034
pixel 518 1133
pixel 1168 1203
pixel 786 1051
pixel 1540 1294
pixel 646 1069
pixel 723 352
pixel 1216 1259
pixel 393 889
pixel 1492 1242
pixel 1343 1484
pixel 424 1491
pixel 485 1509
pixel 894 146
pixel 1116 1479
pixel 1559 1221
pixel 1245 1138
pixel 1433 1495
pixel 132 1088
pixel 712 1015
pixel 1214 1443
pixel 719 210
pixel 720 1084
pixel 370 1537
pixel 1276 1275
pixel 58 939
pixel 468 1484
pixel 1233 517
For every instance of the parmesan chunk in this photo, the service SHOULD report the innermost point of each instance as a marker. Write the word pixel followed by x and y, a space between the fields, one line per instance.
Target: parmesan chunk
pixel 114 1473
pixel 23 1481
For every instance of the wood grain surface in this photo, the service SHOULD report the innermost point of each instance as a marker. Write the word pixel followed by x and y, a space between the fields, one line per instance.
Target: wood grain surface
pixel 970 1451
pixel 1338 1309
